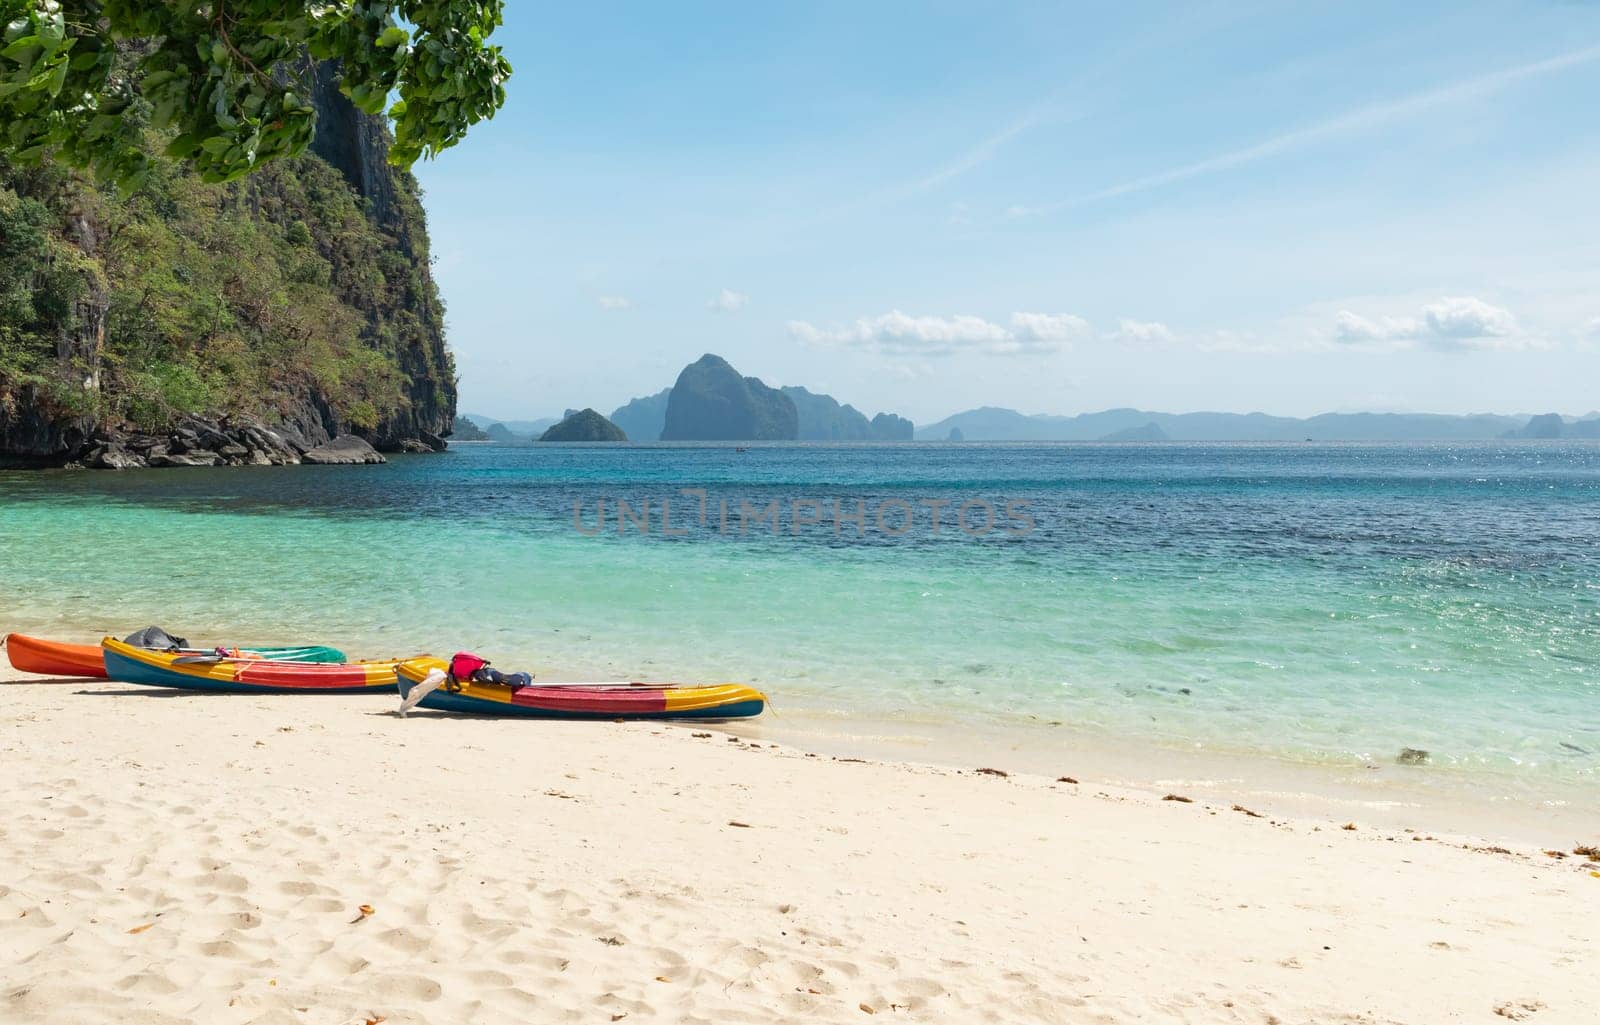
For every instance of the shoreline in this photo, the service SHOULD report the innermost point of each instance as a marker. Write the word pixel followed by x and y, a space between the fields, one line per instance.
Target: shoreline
pixel 235 858
pixel 1390 796
pixel 1490 807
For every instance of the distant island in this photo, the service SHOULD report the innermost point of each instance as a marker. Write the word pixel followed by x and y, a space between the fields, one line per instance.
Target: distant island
pixel 990 423
pixel 823 418
pixel 504 432
pixel 724 406
pixel 584 425
pixel 644 418
pixel 711 401
pixel 466 430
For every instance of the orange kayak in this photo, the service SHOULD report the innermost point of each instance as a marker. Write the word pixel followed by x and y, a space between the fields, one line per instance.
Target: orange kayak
pixel 52 658
pixel 87 661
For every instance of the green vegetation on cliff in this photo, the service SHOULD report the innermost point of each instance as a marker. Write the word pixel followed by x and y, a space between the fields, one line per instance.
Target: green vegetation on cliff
pixel 295 295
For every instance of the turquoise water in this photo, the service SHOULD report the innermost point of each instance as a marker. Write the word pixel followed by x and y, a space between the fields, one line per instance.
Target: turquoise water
pixel 1322 603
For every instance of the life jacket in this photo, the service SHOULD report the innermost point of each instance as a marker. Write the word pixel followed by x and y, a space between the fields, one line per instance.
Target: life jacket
pixel 465 664
pixel 466 667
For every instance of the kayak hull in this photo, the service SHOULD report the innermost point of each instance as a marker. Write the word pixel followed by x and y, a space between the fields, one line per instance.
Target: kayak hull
pixel 51 658
pixel 607 702
pixel 127 664
pixel 86 662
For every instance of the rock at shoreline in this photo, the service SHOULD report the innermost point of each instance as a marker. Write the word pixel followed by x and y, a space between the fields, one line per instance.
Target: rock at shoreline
pixel 584 425
pixel 231 441
pixel 1413 756
pixel 198 457
pixel 345 450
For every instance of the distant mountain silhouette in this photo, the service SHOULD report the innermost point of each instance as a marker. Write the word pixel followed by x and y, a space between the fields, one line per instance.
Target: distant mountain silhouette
pixel 1149 432
pixel 990 423
pixel 1550 426
pixel 467 430
pixel 823 418
pixel 643 419
pixel 891 427
pixel 711 402
pixel 820 418
pixel 512 431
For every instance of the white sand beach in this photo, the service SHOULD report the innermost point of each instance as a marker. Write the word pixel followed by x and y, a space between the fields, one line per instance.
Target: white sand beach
pixel 230 859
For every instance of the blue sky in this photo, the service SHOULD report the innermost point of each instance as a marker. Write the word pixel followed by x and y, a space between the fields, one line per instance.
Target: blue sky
pixel 1053 207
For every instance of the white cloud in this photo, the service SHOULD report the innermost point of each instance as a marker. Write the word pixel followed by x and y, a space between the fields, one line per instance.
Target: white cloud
pixel 615 302
pixel 1354 329
pixel 1465 318
pixel 1139 332
pixel 727 301
pixel 898 333
pixel 1451 323
pixel 1050 327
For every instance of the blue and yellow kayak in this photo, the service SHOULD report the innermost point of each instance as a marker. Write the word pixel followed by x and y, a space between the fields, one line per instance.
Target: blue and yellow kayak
pixel 128 664
pixel 583 700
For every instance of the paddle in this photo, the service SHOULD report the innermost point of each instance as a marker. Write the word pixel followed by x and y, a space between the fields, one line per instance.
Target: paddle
pixel 605 684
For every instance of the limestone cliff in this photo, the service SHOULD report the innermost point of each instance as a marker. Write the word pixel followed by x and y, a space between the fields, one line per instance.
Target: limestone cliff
pixel 711 402
pixel 300 300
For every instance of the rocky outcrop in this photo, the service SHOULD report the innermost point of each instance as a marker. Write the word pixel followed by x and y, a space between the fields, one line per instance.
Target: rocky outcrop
pixel 467 430
pixel 889 427
pixel 584 425
pixel 818 418
pixel 317 310
pixel 357 145
pixel 822 418
pixel 711 402
pixel 345 450
pixel 643 419
pixel 233 441
pixel 1545 427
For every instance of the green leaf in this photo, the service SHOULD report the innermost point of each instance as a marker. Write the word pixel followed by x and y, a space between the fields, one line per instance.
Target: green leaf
pixel 23 50
pixel 182 146
pixel 52 32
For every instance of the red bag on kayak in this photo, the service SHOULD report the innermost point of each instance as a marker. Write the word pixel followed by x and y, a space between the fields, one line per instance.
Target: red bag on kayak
pixel 464 664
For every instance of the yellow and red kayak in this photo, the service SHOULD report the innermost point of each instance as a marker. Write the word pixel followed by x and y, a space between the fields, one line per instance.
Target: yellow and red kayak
pixel 128 664
pixel 85 661
pixel 584 700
